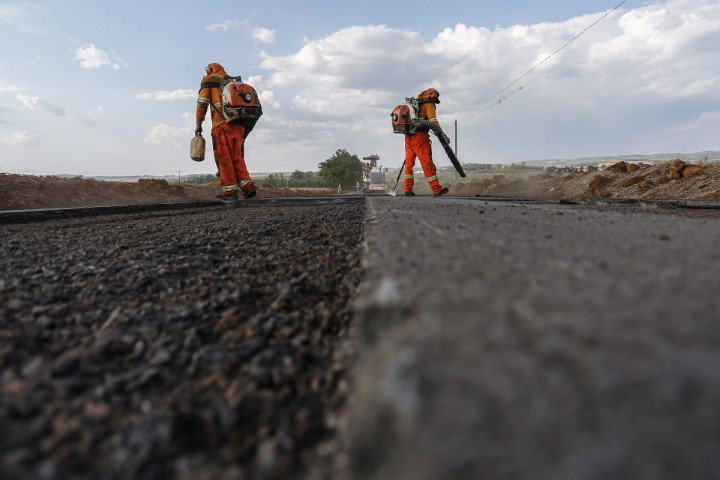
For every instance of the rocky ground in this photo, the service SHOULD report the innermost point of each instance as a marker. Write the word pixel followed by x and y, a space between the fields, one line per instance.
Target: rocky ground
pixel 20 192
pixel 670 180
pixel 665 181
pixel 196 343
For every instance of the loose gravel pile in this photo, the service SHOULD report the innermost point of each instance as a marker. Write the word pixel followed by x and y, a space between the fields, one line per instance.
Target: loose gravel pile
pixel 208 343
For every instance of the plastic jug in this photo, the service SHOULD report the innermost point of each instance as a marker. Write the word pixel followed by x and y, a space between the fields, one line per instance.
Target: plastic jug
pixel 197 148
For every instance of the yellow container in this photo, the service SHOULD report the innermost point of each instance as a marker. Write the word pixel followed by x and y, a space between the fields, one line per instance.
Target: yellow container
pixel 197 148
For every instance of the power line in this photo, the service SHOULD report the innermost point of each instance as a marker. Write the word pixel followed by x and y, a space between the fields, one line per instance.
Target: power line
pixel 499 101
pixel 470 114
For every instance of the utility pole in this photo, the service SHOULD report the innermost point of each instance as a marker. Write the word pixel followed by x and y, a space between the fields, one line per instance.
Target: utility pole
pixel 456 137
pixel 179 172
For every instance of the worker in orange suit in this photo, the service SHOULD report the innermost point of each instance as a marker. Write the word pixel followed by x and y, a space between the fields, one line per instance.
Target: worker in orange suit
pixel 419 145
pixel 228 139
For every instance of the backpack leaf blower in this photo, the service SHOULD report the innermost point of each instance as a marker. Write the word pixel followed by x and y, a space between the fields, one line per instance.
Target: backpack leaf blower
pixel 403 121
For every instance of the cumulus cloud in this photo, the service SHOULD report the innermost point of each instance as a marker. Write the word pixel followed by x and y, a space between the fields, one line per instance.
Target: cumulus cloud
pixel 20 139
pixel 90 56
pixel 355 57
pixel 466 58
pixel 225 26
pixel 96 113
pixel 168 136
pixel 267 99
pixel 264 35
pixel 21 17
pixel 4 87
pixel 36 103
pixel 93 116
pixel 167 95
pixel 261 34
pixel 638 70
pixel 11 13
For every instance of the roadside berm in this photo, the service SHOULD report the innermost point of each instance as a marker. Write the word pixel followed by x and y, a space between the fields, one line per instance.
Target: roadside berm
pixel 671 180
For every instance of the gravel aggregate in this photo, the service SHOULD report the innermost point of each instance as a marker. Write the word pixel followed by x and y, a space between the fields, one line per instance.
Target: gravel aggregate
pixel 206 343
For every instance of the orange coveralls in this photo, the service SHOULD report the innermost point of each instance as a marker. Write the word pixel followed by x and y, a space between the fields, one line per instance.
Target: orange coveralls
pixel 419 145
pixel 227 140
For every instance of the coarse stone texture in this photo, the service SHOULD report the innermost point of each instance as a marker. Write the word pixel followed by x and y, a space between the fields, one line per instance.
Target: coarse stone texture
pixel 205 343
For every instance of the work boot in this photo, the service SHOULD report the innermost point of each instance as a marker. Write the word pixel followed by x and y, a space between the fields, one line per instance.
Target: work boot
pixel 227 199
pixel 250 193
pixel 409 194
pixel 441 192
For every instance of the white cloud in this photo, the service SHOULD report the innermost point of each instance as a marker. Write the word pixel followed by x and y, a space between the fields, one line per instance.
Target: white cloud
pixel 8 88
pixel 11 13
pixel 264 35
pixel 21 17
pixel 20 139
pixel 168 136
pixel 640 75
pixel 93 116
pixel 355 57
pixel 30 103
pixel 166 95
pixel 224 26
pixel 90 56
pixel 97 113
pixel 36 103
pixel 638 71
pixel 267 99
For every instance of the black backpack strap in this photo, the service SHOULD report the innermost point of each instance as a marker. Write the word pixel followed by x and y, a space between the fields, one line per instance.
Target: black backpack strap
pixel 211 85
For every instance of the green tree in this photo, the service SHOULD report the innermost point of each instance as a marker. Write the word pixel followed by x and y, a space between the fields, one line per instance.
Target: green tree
pixel 276 180
pixel 200 178
pixel 341 168
pixel 299 176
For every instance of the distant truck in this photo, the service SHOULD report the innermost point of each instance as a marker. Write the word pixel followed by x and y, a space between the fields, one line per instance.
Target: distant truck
pixel 374 179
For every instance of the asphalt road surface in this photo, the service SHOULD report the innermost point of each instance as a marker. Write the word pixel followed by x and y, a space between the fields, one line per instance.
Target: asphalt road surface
pixel 470 339
pixel 516 341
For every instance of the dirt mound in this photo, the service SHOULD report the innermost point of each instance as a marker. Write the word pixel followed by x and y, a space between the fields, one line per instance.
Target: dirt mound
pixel 22 192
pixel 673 180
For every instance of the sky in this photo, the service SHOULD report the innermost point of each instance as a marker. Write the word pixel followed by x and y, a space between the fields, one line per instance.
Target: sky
pixel 96 87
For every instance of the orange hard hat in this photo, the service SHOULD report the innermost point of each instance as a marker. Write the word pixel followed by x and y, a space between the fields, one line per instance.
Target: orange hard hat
pixel 214 68
pixel 431 94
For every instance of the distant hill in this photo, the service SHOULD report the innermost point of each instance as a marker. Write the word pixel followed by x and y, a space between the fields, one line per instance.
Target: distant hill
pixel 118 178
pixel 135 178
pixel 712 156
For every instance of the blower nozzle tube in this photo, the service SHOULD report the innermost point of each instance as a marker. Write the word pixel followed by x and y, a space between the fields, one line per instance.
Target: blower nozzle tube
pixel 427 124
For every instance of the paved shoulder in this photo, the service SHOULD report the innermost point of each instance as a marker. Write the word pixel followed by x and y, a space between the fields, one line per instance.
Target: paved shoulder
pixel 505 340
